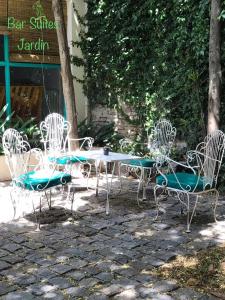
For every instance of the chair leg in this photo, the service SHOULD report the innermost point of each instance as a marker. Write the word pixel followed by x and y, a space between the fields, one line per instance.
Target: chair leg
pixel 215 205
pixel 12 194
pixel 144 196
pixel 88 175
pixel 156 201
pixel 71 195
pixel 49 200
pixel 120 177
pixel 190 216
pixel 140 184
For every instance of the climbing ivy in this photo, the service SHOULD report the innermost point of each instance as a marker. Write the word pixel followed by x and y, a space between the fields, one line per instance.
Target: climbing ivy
pixel 152 55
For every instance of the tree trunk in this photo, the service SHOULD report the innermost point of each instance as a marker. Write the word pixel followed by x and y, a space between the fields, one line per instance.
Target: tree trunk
pixel 67 79
pixel 215 74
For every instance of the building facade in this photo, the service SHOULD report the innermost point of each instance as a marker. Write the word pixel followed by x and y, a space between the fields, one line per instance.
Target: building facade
pixel 30 81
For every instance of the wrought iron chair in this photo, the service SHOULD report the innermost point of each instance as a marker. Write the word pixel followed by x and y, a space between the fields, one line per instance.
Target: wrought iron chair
pixel 28 179
pixel 200 176
pixel 55 132
pixel 159 142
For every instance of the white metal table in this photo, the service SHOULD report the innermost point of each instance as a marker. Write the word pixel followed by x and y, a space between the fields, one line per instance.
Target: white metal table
pixel 99 158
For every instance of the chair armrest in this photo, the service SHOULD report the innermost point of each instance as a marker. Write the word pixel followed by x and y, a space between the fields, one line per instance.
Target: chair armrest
pixel 171 165
pixel 89 141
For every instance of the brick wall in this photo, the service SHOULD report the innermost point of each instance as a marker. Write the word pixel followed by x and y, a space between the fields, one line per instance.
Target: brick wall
pixel 102 115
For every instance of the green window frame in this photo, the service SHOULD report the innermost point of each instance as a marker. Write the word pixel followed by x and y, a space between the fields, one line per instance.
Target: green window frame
pixel 7 64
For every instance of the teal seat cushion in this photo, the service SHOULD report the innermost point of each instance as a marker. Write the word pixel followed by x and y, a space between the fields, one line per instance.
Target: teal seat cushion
pixel 42 179
pixel 144 162
pixel 182 181
pixel 67 159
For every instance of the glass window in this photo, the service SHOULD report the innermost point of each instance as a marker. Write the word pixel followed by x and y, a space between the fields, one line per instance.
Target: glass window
pixel 1 47
pixel 2 87
pixel 36 92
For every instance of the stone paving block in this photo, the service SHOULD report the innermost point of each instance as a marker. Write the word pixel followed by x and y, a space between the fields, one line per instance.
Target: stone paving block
pixel 44 274
pixel 104 277
pixel 60 282
pixel 147 292
pixel 97 296
pixel 76 292
pixel 145 278
pixel 12 247
pixel 45 262
pixel 24 279
pixel 166 255
pixel 4 265
pixel 163 286
pixel 18 239
pixel 128 272
pixel 19 295
pixel 111 290
pixel 40 289
pixel 77 263
pixel 130 294
pixel 3 253
pixel 61 268
pixel 6 287
pixel 12 259
pixel 33 245
pixel 92 270
pixel 76 275
pixel 55 295
pixel 88 282
pixel 126 283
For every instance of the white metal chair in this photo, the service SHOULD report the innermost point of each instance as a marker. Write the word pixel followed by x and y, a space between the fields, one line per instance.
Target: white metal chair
pixel 200 176
pixel 55 132
pixel 28 179
pixel 159 142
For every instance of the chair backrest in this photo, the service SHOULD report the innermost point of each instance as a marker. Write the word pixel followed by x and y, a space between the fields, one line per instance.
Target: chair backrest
pixel 55 132
pixel 213 150
pixel 162 137
pixel 16 152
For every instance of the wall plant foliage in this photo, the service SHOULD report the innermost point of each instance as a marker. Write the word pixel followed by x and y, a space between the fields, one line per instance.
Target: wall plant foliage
pixel 153 55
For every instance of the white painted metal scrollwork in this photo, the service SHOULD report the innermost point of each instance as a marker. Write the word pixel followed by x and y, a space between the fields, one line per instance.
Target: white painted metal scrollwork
pixel 55 134
pixel 159 143
pixel 24 173
pixel 162 138
pixel 55 131
pixel 203 163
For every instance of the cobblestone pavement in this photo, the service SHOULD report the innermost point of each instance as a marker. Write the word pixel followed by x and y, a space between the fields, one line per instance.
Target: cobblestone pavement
pixel 98 256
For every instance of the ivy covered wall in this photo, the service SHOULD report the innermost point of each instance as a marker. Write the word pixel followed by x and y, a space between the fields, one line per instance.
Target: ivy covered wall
pixel 152 55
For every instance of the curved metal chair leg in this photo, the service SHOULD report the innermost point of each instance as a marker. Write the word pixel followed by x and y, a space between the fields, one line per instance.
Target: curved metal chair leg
pixel 12 193
pixel 140 185
pixel 120 177
pixel 88 176
pixel 72 199
pixel 156 201
pixel 190 216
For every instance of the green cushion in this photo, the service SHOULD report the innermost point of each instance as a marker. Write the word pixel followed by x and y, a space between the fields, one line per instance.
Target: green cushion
pixel 67 159
pixel 144 162
pixel 43 179
pixel 186 181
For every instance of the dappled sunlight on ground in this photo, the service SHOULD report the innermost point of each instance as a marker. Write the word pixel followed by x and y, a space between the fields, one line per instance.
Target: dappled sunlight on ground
pixel 85 254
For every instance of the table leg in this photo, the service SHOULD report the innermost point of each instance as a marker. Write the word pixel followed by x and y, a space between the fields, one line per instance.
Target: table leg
pixel 107 186
pixel 97 175
pixel 113 171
